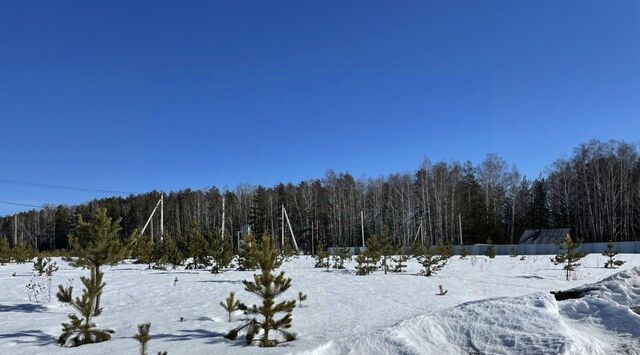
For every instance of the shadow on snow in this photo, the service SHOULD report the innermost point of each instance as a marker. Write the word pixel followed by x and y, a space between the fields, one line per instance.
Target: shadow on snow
pixel 36 337
pixel 22 308
pixel 184 335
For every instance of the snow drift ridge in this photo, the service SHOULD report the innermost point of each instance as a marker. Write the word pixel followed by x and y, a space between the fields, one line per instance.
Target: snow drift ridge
pixel 601 322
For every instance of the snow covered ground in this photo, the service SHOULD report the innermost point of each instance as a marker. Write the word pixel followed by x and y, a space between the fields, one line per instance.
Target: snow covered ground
pixel 492 306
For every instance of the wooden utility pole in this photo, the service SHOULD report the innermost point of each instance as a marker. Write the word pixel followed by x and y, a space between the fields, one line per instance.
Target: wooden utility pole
pixel 151 216
pixel 460 227
pixel 15 230
pixel 223 217
pixel 362 226
pixel 312 241
pixel 161 216
pixel 419 232
pixel 282 226
pixel 293 237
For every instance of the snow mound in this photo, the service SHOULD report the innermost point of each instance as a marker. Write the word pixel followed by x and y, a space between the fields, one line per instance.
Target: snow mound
pixel 601 321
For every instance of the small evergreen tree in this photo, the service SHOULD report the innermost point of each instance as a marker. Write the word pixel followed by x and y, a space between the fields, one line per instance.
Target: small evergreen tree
pixel 301 297
pixel 171 253
pixel 464 252
pixel 322 257
pixel 198 248
pixel 400 262
pixel 432 259
pixel 288 252
pixel 143 337
pixel 491 250
pixel 367 262
pixel 610 253
pixel 22 253
pixel 82 330
pixel 44 266
pixel 249 250
pixel 158 255
pixel 230 304
pixel 267 286
pixel 569 256
pixel 221 252
pixel 5 251
pixel 373 248
pixel 446 250
pixel 143 251
pixel 341 254
pixel 387 248
pixel 97 243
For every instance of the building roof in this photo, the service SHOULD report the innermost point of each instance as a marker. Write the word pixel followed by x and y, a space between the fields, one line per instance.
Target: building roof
pixel 543 236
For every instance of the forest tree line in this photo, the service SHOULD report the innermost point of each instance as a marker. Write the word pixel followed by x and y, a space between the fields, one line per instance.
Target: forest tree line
pixel 595 192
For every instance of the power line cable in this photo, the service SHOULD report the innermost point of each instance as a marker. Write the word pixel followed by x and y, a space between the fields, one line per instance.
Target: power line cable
pixel 19 204
pixel 60 187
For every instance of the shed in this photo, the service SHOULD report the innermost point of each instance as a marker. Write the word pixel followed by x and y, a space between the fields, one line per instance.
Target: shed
pixel 544 236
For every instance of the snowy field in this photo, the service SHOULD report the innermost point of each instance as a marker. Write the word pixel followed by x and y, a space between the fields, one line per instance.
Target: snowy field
pixel 345 313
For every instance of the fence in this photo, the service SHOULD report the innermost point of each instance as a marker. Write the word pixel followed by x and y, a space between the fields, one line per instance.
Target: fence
pixel 550 249
pixel 533 249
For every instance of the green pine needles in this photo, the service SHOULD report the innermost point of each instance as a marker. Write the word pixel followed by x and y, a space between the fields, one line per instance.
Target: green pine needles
pixel 400 262
pixel 22 253
pixel 44 266
pixel 340 255
pixel 322 257
pixel 143 251
pixel 610 253
pixel 143 337
pixel 94 244
pixel 464 252
pixel 249 250
pixel 230 304
pixel 301 297
pixel 264 327
pixel 5 251
pixel 491 249
pixel 433 259
pixel 81 330
pixel 197 247
pixel 569 256
pixel 170 252
pixel 367 261
pixel 388 248
pixel 222 253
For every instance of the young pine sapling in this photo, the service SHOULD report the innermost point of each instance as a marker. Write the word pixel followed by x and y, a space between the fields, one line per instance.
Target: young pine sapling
pixel 432 259
pixel 268 286
pixel 301 297
pixel 143 336
pixel 387 249
pixel 81 330
pixel 610 253
pixel 230 304
pixel 569 256
pixel 491 249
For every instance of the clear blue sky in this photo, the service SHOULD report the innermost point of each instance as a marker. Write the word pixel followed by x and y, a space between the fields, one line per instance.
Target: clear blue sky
pixel 134 95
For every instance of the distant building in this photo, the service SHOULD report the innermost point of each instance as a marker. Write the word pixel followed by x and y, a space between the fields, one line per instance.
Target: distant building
pixel 544 236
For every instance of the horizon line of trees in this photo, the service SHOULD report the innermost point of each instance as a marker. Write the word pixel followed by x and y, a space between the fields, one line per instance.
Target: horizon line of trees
pixel 595 192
